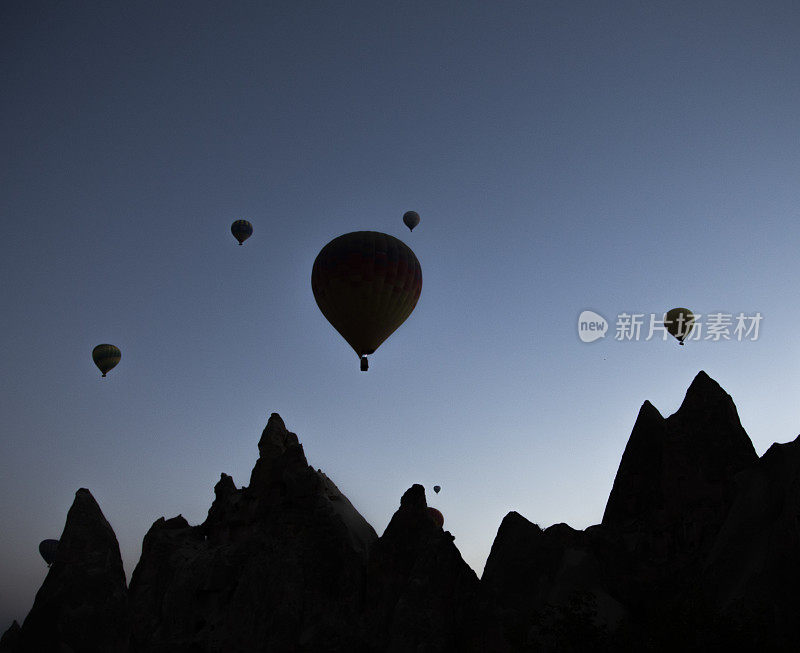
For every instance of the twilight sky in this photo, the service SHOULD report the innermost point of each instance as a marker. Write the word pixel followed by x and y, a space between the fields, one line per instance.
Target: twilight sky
pixel 619 157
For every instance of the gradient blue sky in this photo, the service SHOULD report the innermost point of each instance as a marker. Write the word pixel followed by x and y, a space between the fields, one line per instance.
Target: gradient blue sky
pixel 613 156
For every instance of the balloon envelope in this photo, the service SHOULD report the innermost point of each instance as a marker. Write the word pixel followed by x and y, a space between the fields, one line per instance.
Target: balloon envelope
pixel 436 488
pixel 366 284
pixel 106 357
pixel 679 322
pixel 47 549
pixel 436 516
pixel 241 230
pixel 411 219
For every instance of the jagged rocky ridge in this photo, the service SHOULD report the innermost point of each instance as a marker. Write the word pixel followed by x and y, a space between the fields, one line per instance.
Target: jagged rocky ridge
pixel 698 549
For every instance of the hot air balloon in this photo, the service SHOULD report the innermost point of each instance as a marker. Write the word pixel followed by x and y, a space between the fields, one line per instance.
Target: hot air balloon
pixel 241 230
pixel 436 516
pixel 47 549
pixel 411 219
pixel 366 284
pixel 679 322
pixel 436 488
pixel 106 357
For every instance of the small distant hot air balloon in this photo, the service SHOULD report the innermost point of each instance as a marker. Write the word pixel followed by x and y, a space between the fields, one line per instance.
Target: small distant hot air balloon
pixel 47 549
pixel 411 219
pixel 436 488
pixel 366 284
pixel 679 322
pixel 106 357
pixel 436 516
pixel 241 230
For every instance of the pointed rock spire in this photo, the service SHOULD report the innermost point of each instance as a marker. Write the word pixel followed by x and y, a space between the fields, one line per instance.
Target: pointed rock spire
pixel 636 486
pixel 703 391
pixel 83 602
pixel 419 589
pixel 707 432
pixel 275 438
pixel 224 487
pixel 278 565
pixel 280 454
pixel 510 551
pixel 414 497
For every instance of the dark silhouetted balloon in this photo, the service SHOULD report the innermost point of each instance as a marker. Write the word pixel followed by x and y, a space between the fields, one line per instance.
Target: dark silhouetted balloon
pixel 679 322
pixel 436 488
pixel 411 219
pixel 241 230
pixel 106 357
pixel 436 516
pixel 366 284
pixel 47 549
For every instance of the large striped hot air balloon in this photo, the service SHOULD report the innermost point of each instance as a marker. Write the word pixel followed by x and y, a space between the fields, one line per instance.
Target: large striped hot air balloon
pixel 106 357
pixel 241 230
pixel 366 284
pixel 47 549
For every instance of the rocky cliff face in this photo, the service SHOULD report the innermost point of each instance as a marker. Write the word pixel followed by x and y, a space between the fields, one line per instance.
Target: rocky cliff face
pixel 699 548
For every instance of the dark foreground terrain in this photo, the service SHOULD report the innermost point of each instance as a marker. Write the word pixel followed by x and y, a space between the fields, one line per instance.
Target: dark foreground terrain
pixel 698 550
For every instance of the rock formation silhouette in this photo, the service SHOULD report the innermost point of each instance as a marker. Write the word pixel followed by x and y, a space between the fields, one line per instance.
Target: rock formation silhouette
pixel 276 566
pixel 421 595
pixel 83 602
pixel 698 549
